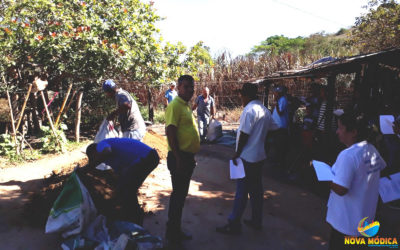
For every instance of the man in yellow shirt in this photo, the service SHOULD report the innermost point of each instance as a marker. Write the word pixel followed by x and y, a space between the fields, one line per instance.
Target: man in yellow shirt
pixel 183 143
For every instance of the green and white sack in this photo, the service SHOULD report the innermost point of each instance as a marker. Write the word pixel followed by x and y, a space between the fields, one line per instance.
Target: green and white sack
pixel 73 210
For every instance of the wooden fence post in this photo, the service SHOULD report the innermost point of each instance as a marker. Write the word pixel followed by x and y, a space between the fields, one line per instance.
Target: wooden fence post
pixel 63 105
pixel 23 107
pixel 78 115
pixel 12 123
pixel 150 104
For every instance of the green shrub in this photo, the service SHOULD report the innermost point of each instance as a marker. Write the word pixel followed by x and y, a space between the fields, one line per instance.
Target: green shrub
pixel 51 143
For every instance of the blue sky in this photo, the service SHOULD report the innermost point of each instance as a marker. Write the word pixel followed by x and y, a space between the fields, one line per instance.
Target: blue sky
pixel 238 25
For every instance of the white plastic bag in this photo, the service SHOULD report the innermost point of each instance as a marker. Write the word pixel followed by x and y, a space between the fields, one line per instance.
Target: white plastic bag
pixel 106 130
pixel 214 130
pixel 73 210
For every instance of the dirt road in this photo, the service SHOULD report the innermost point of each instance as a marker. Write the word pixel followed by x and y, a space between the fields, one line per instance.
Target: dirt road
pixel 293 218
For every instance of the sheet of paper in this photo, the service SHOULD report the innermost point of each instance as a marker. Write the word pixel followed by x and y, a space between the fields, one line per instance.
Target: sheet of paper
pixel 390 189
pixel 237 171
pixel 386 124
pixel 103 167
pixel 323 170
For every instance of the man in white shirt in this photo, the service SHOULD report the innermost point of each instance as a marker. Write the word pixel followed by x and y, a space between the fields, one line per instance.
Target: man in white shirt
pixel 255 122
pixel 355 185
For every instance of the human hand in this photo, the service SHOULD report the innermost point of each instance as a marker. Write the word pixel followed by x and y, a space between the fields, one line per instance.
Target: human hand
pixel 234 158
pixel 396 128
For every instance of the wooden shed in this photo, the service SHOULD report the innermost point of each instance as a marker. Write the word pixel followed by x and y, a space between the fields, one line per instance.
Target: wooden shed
pixel 372 80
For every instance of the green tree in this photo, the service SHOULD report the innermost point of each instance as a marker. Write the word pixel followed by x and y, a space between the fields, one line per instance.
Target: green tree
pixel 197 60
pixel 83 41
pixel 378 29
pixel 276 45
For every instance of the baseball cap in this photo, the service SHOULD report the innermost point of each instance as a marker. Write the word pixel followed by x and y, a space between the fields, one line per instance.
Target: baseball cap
pixel 279 89
pixel 109 85
pixel 172 83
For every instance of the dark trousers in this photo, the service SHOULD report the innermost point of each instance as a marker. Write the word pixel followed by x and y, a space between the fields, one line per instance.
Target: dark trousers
pixel 281 148
pixel 250 185
pixel 130 180
pixel 180 187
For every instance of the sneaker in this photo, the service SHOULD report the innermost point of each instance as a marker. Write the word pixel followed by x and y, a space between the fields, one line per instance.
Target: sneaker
pixel 252 225
pixel 229 229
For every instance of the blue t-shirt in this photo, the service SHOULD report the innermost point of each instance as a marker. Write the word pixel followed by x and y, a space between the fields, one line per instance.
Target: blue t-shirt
pixel 170 95
pixel 282 120
pixel 204 108
pixel 126 152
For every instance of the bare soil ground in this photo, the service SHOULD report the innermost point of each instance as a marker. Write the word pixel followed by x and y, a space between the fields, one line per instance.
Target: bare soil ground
pixel 294 217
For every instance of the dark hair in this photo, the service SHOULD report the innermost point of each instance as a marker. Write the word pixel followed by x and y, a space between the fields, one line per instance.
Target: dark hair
pixel 185 78
pixel 353 121
pixel 91 151
pixel 249 90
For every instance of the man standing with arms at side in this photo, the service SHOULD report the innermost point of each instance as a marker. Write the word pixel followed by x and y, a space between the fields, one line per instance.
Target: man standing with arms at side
pixel 255 122
pixel 205 108
pixel 281 117
pixel 129 117
pixel 170 94
pixel 183 143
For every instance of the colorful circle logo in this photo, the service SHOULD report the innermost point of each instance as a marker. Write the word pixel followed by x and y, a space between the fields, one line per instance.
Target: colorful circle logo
pixel 368 230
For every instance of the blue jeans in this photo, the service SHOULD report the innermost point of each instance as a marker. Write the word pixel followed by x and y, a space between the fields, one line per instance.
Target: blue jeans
pixel 251 185
pixel 203 122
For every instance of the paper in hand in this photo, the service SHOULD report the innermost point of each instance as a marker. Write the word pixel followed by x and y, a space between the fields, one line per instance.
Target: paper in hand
pixel 386 124
pixel 323 170
pixel 390 189
pixel 236 171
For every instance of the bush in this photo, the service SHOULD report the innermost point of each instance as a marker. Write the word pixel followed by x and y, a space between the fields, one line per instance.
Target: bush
pixel 52 143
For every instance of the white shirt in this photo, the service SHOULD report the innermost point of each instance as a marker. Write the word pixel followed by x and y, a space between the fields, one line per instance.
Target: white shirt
pixel 256 121
pixel 357 168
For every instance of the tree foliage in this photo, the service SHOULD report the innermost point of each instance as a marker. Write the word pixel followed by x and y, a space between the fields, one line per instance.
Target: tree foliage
pixel 81 40
pixel 306 49
pixel 378 29
pixel 197 60
pixel 276 45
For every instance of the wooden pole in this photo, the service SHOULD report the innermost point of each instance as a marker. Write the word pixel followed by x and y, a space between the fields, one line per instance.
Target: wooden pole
pixel 78 116
pixel 12 123
pixel 69 104
pixel 150 104
pixel 23 107
pixel 48 117
pixel 63 105
pixel 70 101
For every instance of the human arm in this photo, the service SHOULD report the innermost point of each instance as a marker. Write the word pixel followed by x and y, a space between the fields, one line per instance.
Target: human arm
pixel 213 109
pixel 396 128
pixel 243 138
pixel 338 189
pixel 166 98
pixel 124 104
pixel 104 151
pixel 174 144
pixel 344 171
pixel 281 105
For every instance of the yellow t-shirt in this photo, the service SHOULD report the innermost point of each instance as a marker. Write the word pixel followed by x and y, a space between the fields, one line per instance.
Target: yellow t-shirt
pixel 180 115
